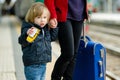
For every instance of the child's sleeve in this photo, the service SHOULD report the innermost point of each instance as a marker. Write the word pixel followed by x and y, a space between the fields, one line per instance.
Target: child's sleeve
pixel 54 33
pixel 22 38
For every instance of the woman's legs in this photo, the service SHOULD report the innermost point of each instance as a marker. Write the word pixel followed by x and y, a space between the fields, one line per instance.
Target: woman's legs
pixel 77 29
pixel 65 36
pixel 63 66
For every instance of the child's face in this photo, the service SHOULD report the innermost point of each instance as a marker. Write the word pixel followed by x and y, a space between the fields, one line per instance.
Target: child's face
pixel 42 20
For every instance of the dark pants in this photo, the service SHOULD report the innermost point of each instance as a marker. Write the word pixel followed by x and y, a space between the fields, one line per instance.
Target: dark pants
pixel 69 37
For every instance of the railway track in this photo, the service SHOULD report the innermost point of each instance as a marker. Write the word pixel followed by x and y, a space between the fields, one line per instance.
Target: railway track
pixel 111 76
pixel 107 29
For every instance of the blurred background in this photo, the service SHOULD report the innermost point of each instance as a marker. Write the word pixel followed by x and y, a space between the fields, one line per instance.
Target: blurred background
pixel 103 27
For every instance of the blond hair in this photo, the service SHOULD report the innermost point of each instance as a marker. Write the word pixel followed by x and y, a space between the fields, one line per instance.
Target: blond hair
pixel 35 10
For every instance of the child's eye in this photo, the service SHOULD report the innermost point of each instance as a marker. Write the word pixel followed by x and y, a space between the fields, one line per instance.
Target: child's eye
pixel 38 17
pixel 45 17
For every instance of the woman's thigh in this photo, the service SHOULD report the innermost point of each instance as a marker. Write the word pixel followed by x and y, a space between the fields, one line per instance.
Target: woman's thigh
pixel 77 30
pixel 66 39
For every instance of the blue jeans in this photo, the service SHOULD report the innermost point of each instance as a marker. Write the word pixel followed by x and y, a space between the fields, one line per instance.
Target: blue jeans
pixel 35 72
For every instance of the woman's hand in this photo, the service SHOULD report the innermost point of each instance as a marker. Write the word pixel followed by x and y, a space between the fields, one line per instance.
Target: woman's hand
pixel 53 23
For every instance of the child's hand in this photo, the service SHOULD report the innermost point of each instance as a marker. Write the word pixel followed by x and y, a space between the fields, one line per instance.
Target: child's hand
pixel 53 23
pixel 30 31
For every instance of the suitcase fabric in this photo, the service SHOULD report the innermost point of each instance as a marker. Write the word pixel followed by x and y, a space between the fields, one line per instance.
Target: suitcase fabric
pixel 91 61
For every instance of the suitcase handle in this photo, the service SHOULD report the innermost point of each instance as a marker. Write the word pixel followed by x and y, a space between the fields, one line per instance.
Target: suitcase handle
pixel 86 38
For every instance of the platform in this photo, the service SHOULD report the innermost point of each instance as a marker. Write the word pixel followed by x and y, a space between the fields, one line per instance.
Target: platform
pixel 105 18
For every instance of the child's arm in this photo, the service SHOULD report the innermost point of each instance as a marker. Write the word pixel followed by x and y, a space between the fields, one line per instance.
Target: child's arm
pixel 54 33
pixel 23 36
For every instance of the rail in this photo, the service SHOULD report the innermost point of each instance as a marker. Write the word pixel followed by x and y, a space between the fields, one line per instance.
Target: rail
pixel 111 76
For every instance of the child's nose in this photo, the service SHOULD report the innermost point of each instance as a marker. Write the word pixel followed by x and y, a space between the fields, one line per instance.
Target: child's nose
pixel 42 19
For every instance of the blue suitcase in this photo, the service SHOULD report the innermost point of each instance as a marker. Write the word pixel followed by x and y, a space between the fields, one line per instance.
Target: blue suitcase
pixel 91 61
